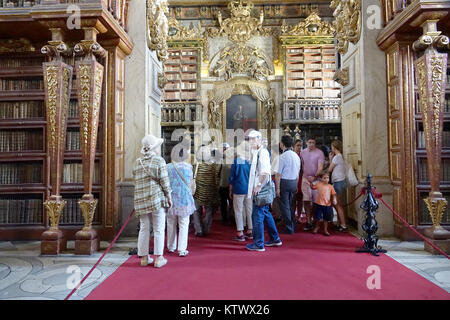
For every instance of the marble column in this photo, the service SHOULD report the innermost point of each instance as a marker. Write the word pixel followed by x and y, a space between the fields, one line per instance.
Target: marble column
pixel 364 124
pixel 142 103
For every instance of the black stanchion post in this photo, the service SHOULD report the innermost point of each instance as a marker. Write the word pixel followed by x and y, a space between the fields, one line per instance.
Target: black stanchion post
pixel 370 226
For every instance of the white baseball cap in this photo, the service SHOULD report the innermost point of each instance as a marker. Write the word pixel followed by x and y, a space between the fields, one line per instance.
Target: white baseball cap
pixel 254 134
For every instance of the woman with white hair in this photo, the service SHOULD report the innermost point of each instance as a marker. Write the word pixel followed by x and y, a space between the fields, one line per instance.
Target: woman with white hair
pixel 152 196
pixel 206 193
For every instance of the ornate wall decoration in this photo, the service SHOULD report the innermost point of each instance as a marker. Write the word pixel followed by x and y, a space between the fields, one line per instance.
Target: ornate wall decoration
pixel 50 77
pixel 177 31
pixel 241 60
pixel 15 45
pixel 347 23
pixel 342 76
pixel 222 91
pixel 240 27
pixel 57 85
pixel 158 27
pixel 431 81
pixel 162 80
pixel 312 26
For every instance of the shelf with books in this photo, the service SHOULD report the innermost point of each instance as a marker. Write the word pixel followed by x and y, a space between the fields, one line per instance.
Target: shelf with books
pixel 73 172
pixel 21 209
pixel 305 67
pixel 21 172
pixel 182 70
pixel 72 215
pixel 21 140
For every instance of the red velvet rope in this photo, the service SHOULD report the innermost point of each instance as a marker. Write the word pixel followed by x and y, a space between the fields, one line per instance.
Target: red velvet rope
pixel 101 258
pixel 380 196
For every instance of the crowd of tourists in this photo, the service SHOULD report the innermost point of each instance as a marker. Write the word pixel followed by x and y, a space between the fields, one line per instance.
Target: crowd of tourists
pixel 298 191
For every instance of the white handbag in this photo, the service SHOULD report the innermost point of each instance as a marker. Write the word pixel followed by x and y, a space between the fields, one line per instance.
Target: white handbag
pixel 350 176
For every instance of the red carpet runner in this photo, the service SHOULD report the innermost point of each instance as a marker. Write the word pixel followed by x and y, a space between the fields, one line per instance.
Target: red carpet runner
pixel 307 266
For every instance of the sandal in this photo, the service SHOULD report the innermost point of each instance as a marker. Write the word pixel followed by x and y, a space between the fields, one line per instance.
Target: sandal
pixel 342 229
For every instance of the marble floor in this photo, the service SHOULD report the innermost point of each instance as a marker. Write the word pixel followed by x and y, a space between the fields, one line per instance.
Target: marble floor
pixel 26 275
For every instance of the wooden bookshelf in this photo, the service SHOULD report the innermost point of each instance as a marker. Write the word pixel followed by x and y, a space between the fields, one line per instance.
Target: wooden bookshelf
pixel 181 71
pixel 23 183
pixel 24 174
pixel 309 72
pixel 422 180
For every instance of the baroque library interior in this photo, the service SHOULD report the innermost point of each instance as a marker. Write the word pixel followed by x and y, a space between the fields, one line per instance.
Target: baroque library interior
pixel 83 81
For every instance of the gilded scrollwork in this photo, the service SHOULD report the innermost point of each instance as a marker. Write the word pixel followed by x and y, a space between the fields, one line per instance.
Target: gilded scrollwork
pixel 431 69
pixel 241 26
pixel 242 59
pixel 84 76
pixel 88 210
pixel 51 79
pixel 158 27
pixel 342 76
pixel 54 212
pixel 313 25
pixel 178 31
pixel 347 23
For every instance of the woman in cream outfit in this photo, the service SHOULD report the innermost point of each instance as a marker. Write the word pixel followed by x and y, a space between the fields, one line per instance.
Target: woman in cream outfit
pixel 152 196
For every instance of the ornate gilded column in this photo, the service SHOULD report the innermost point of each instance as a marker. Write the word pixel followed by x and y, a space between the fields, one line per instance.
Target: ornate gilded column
pixel 57 85
pixel 89 91
pixel 431 69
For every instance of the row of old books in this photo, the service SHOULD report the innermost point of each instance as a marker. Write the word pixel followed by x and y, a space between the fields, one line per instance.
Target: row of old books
pixel 19 173
pixel 21 62
pixel 73 141
pixel 73 173
pixel 21 140
pixel 445 139
pixel 21 109
pixel 72 212
pixel 423 170
pixel 20 211
pixel 20 85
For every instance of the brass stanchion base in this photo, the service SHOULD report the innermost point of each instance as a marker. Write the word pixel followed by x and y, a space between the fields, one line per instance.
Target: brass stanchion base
pixel 86 241
pixel 52 240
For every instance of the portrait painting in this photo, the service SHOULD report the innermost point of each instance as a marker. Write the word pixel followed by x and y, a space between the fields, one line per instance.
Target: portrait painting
pixel 242 112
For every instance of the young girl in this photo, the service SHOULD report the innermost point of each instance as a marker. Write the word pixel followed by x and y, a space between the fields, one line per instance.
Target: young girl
pixel 322 206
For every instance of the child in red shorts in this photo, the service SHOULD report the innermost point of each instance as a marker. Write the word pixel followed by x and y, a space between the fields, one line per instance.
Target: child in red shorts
pixel 322 206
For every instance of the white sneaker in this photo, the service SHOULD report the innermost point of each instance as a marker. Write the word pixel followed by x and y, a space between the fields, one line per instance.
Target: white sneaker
pixel 183 253
pixel 160 262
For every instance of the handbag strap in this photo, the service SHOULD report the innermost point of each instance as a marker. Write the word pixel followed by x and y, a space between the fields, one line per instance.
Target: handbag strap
pixel 196 169
pixel 143 167
pixel 181 176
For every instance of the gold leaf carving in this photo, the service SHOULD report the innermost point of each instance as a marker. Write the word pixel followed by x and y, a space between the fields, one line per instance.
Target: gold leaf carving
pixel 51 75
pixel 312 26
pixel 158 27
pixel 347 23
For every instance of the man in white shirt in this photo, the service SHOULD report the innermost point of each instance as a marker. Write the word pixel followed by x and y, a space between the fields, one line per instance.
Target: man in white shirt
pixel 259 177
pixel 286 180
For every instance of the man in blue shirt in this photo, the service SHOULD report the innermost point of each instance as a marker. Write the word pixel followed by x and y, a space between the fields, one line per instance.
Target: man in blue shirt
pixel 286 179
